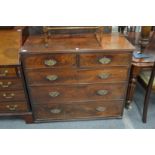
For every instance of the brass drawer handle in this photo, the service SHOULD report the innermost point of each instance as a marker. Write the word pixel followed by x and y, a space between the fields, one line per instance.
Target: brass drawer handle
pixel 102 92
pixel 50 62
pixel 104 75
pixel 51 77
pixel 5 85
pixel 12 107
pixel 8 96
pixel 105 60
pixel 54 94
pixel 55 111
pixel 4 74
pixel 100 109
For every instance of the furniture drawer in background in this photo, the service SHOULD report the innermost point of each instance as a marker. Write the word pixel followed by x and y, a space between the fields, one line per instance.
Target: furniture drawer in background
pixel 78 110
pixel 70 93
pixel 6 72
pixel 7 84
pixel 101 59
pixel 13 107
pixel 49 60
pixel 12 95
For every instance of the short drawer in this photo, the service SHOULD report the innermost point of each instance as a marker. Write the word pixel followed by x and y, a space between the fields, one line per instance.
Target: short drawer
pixel 101 59
pixel 50 60
pixel 7 72
pixel 13 107
pixel 46 94
pixel 7 84
pixel 78 110
pixel 12 95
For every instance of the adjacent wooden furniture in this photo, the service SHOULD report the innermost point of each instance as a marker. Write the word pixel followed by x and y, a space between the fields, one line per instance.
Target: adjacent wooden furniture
pixel 76 77
pixel 13 95
pixel 139 64
pixel 148 93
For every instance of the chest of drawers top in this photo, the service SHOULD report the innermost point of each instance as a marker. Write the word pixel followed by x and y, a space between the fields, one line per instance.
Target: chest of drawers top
pixel 77 44
pixel 10 43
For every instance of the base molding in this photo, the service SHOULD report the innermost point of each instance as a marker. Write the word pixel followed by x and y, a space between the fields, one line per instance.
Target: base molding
pixel 27 116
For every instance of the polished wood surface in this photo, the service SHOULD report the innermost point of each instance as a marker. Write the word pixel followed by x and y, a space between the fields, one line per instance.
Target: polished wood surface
pixel 77 93
pixel 78 43
pixel 112 75
pixel 39 61
pixel 78 74
pixel 85 110
pixel 14 101
pixel 93 60
pixel 73 76
pixel 9 84
pixel 15 107
pixel 10 43
pixel 12 95
pixel 8 72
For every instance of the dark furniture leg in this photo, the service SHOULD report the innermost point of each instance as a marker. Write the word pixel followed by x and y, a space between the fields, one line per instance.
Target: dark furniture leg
pixel 147 95
pixel 28 118
pixel 135 70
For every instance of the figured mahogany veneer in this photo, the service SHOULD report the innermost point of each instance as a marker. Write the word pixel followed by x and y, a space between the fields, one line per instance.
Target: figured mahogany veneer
pixel 82 110
pixel 76 76
pixel 83 92
pixel 62 60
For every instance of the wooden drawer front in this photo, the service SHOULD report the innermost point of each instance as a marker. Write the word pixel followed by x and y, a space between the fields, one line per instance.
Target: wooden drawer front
pixel 78 110
pixel 13 107
pixel 114 74
pixel 7 84
pixel 8 72
pixel 14 95
pixel 100 60
pixel 50 61
pixel 48 94
pixel 51 76
pixel 71 76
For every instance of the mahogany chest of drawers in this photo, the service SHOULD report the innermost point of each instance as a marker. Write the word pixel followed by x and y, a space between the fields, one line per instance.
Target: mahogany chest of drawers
pixel 13 95
pixel 75 77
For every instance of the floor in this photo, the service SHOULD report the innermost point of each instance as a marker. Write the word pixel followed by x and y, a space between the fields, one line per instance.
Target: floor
pixel 130 120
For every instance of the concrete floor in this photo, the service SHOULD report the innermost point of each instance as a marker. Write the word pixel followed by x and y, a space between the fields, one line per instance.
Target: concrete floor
pixel 130 120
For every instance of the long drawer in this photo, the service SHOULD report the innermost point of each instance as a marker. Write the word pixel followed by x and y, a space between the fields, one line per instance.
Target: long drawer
pixel 13 107
pixel 7 84
pixel 50 60
pixel 46 94
pixel 12 95
pixel 78 110
pixel 102 60
pixel 71 76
